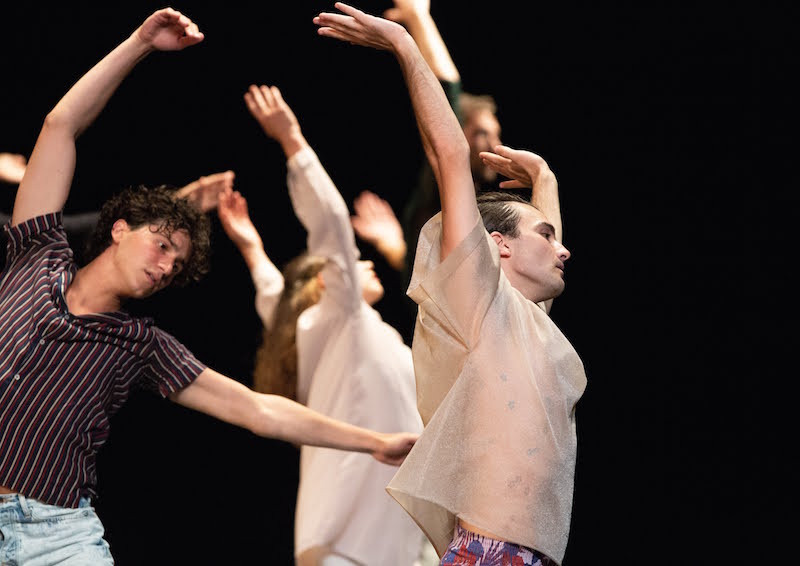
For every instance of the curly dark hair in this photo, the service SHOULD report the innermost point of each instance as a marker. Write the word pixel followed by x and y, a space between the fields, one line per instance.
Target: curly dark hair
pixel 141 205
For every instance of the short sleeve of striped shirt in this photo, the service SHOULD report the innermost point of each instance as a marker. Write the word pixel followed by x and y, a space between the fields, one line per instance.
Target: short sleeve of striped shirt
pixel 42 230
pixel 170 365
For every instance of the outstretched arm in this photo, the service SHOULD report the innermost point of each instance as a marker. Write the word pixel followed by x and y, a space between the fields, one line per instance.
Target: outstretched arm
pixel 375 222
pixel 445 145
pixel 276 118
pixel 267 278
pixel 273 416
pixel 45 186
pixel 415 15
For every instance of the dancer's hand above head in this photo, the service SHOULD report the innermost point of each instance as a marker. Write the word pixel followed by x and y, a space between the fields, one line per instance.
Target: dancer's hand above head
pixel 359 28
pixel 376 222
pixel 169 30
pixel 204 193
pixel 235 219
pixel 520 166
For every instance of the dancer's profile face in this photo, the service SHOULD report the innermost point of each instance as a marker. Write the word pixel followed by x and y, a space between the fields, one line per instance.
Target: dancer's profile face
pixel 371 286
pixel 147 257
pixel 534 261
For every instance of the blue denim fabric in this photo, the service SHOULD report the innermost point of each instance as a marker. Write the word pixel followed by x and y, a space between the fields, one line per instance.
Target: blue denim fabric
pixel 36 534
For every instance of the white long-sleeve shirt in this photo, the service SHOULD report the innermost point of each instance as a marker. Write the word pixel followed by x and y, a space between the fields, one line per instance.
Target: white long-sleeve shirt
pixel 351 366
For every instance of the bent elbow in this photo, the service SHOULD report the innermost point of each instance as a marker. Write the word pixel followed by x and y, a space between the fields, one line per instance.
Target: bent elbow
pixel 58 120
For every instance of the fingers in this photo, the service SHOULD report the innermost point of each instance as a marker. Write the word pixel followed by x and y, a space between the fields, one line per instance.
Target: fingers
pixel 192 36
pixel 495 160
pixel 232 203
pixel 169 30
pixel 512 185
pixel 336 25
pixel 519 156
pixel 379 207
pixel 364 202
pixel 250 101
pixel 268 92
pixel 262 100
pixel 503 150
pixel 254 99
pixel 277 96
pixel 171 17
pixel 223 177
pixel 225 202
pixel 256 102
pixel 347 9
pixel 370 204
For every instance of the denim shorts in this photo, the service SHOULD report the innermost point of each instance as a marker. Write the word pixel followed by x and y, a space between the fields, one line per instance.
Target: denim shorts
pixel 36 534
pixel 468 548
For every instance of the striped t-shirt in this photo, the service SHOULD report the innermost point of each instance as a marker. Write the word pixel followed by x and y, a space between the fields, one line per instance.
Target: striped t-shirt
pixel 63 376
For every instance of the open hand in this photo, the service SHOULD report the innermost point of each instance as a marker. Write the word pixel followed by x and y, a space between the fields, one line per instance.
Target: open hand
pixel 375 222
pixel 359 28
pixel 266 104
pixel 520 166
pixel 235 219
pixel 204 192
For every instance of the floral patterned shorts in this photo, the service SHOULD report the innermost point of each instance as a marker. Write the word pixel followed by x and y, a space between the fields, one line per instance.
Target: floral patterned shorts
pixel 470 549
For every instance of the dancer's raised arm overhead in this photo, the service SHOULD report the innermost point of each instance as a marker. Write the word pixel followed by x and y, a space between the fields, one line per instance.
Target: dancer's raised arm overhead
pixel 48 178
pixel 70 354
pixel 491 477
pixel 327 346
pixel 442 136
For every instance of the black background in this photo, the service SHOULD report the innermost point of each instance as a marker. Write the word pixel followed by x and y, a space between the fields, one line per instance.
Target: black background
pixel 663 125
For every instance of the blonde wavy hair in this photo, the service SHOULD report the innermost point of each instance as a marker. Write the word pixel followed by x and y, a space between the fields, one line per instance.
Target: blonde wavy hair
pixel 275 369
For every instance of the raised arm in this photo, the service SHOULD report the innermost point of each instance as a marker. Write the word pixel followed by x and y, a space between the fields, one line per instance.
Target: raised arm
pixel 267 278
pixel 315 199
pixel 276 118
pixel 273 416
pixel 415 15
pixel 445 145
pixel 46 183
pixel 525 169
pixel 235 219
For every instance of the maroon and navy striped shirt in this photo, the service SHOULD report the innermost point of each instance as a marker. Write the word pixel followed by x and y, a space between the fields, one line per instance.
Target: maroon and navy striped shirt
pixel 63 376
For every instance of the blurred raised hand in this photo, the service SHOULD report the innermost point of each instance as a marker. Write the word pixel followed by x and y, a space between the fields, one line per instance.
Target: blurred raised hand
pixel 12 167
pixel 204 193
pixel 375 222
